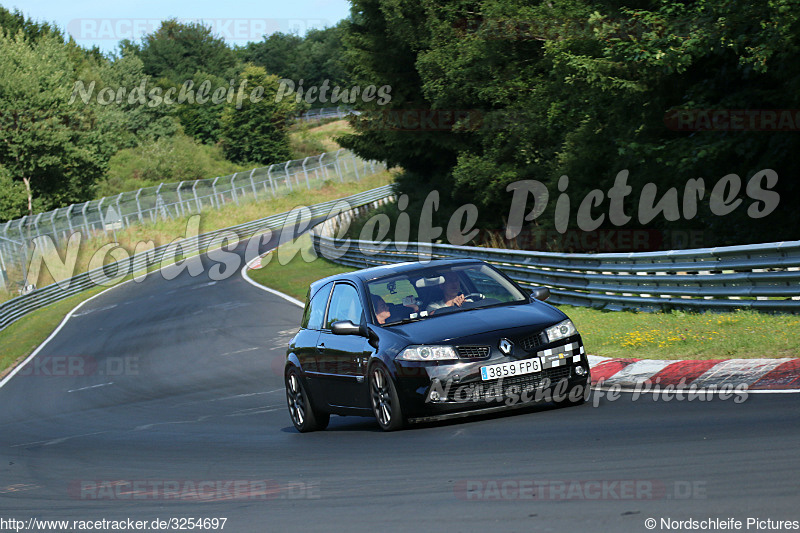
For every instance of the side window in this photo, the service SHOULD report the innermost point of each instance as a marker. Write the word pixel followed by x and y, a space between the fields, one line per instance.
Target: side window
pixel 345 305
pixel 315 309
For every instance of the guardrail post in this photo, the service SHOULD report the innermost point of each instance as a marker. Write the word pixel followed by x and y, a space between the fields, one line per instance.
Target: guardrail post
pixel 160 200
pixel 119 210
pixel 214 191
pixel 69 217
pixel 305 171
pixel 36 223
pixel 324 170
pixel 180 198
pixel 100 211
pixel 286 171
pixel 253 185
pixel 196 199
pixel 138 205
pixel 233 189
pixel 85 220
pixel 338 166
pixel 53 225
pixel 269 176
pixel 355 167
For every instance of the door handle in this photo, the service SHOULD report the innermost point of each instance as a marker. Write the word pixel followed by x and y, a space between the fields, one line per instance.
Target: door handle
pixel 321 347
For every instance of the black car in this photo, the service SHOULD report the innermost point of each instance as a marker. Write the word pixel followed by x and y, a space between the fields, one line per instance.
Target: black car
pixel 412 342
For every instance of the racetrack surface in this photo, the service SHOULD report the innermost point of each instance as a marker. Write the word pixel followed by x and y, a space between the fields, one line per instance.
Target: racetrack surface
pixel 179 382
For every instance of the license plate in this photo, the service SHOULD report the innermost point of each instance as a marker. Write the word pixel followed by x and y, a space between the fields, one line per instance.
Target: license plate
pixel 514 368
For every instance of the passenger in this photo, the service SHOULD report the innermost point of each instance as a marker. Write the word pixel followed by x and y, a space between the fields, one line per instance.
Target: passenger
pixel 381 309
pixel 452 295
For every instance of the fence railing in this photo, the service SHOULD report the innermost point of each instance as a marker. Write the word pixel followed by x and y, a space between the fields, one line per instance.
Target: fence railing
pixel 18 307
pixel 169 200
pixel 764 277
pixel 327 112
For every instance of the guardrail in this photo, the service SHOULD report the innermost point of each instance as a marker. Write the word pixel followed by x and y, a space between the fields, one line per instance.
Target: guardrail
pixel 763 277
pixel 18 307
pixel 170 200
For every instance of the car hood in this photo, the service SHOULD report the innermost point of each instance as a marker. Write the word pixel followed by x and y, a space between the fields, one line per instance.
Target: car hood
pixel 462 325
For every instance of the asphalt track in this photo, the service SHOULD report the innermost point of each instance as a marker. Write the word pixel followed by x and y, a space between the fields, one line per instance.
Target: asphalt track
pixel 179 382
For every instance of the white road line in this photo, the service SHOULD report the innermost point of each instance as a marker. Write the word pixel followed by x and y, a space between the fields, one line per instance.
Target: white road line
pixel 74 309
pixel 286 297
pixel 55 332
pixel 242 351
pixel 92 387
pixel 106 308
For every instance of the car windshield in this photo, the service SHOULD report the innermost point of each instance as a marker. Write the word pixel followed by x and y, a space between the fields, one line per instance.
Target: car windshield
pixel 435 291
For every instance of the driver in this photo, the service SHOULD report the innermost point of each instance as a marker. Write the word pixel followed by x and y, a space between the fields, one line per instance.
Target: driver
pixel 452 295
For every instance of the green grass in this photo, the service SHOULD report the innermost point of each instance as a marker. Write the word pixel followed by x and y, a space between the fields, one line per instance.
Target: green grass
pixel 21 338
pixel 309 139
pixel 287 270
pixel 680 335
pixel 674 335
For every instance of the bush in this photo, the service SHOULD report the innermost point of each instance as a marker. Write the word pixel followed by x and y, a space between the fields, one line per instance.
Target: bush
pixel 165 160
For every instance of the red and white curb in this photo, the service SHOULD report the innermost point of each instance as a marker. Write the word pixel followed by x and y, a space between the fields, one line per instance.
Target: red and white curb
pixel 778 375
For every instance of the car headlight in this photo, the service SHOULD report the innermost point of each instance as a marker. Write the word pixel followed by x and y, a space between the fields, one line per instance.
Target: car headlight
pixel 562 330
pixel 428 353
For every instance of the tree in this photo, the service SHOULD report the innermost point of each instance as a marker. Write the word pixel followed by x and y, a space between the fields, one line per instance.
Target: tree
pixel 582 89
pixel 257 130
pixel 178 50
pixel 277 53
pixel 45 143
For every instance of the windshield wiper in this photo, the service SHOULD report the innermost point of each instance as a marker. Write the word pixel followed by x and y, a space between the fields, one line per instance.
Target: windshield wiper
pixel 406 321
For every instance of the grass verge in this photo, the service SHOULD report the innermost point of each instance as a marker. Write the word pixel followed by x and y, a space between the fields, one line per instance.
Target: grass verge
pixel 674 335
pixel 21 338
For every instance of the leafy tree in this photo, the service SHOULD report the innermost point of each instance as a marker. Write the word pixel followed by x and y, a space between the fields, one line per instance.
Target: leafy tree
pixel 277 53
pixel 314 58
pixel 202 120
pixel 13 22
pixel 128 120
pixel 178 50
pixel 383 41
pixel 45 143
pixel 582 89
pixel 257 131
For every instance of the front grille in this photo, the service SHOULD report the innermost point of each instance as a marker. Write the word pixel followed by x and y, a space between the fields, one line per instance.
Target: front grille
pixel 532 342
pixel 526 382
pixel 472 352
pixel 534 380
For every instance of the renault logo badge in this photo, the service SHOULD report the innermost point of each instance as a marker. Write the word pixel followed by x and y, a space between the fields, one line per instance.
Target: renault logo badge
pixel 505 346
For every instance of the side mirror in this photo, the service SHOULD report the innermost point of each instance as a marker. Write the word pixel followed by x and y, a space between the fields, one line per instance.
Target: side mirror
pixel 540 293
pixel 346 327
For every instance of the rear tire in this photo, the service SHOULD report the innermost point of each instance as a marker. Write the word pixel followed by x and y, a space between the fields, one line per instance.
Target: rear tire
pixel 385 401
pixel 304 417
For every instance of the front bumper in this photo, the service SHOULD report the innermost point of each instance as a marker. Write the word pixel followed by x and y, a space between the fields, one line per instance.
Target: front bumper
pixel 431 390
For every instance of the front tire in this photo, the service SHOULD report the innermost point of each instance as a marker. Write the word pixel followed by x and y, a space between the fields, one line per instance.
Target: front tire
pixel 304 417
pixel 385 402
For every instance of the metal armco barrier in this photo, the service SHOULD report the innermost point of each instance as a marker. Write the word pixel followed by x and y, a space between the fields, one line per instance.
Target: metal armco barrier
pixel 763 277
pixel 18 307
